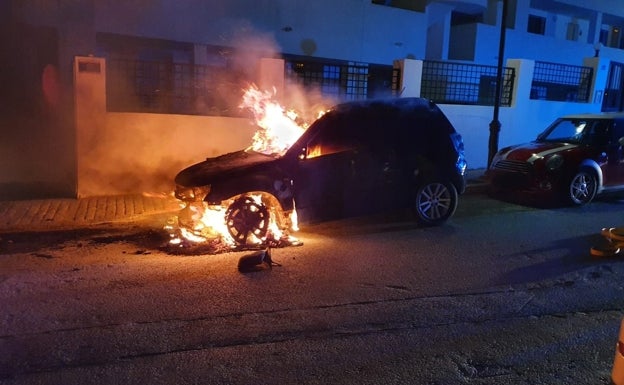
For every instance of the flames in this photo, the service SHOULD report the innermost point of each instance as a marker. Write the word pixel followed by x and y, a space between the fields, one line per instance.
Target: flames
pixel 278 128
pixel 219 226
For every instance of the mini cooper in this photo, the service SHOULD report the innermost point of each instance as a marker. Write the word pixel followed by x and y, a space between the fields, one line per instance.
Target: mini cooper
pixel 576 158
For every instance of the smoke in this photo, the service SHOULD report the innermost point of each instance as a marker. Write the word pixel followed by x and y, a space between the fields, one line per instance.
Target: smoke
pixel 138 152
pixel 243 64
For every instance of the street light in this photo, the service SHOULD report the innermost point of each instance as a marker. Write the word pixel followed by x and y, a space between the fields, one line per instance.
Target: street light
pixel 495 124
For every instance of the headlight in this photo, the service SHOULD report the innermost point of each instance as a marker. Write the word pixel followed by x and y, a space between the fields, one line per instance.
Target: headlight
pixel 554 162
pixel 191 194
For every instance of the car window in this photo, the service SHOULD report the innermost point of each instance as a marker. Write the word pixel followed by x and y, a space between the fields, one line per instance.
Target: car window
pixel 599 133
pixel 565 130
pixel 337 134
pixel 618 130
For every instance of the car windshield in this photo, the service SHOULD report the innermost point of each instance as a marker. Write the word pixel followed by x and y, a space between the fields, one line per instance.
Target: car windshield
pixel 565 130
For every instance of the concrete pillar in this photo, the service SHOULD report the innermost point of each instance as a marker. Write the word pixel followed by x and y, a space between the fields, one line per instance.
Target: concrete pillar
pixel 411 77
pixel 520 15
pixel 522 83
pixel 89 113
pixel 601 74
pixel 438 31
pixel 595 25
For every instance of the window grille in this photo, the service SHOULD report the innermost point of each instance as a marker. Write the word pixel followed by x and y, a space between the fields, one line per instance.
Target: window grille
pixel 561 82
pixel 341 81
pixel 460 83
pixel 171 88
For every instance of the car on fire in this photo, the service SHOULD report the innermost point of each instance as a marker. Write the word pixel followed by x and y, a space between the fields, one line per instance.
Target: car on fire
pixel 572 161
pixel 359 158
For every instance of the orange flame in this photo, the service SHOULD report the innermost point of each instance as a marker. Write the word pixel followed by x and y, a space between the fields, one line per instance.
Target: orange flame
pixel 278 129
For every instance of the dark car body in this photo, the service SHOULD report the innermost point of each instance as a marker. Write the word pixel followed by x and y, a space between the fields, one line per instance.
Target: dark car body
pixel 358 158
pixel 576 158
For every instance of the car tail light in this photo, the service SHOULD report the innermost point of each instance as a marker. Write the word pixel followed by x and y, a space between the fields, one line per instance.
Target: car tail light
pixel 458 143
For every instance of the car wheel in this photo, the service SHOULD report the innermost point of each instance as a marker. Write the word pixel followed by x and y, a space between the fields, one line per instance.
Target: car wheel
pixel 247 220
pixel 435 202
pixel 582 188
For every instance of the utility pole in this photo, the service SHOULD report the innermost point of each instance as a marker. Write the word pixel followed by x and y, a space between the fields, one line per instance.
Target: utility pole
pixel 495 124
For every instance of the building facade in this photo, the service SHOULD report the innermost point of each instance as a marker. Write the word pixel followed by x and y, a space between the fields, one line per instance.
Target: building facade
pixel 166 76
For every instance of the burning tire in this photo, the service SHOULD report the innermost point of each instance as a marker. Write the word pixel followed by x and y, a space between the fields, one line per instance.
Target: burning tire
pixel 435 202
pixel 247 220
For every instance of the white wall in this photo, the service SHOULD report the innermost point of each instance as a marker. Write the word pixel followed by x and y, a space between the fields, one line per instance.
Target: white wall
pixel 542 48
pixel 354 30
pixel 140 152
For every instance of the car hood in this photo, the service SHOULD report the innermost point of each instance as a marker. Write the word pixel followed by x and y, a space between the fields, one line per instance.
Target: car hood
pixel 529 152
pixel 206 172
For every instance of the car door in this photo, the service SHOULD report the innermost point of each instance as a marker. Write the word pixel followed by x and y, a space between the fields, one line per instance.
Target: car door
pixel 335 172
pixel 613 169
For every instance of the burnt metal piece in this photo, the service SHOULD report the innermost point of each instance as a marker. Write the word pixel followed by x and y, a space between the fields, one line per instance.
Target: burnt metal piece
pixel 257 261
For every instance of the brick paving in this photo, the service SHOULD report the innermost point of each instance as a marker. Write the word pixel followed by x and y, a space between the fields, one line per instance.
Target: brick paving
pixel 52 214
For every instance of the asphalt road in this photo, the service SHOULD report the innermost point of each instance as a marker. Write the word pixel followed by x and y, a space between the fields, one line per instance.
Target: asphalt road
pixel 502 294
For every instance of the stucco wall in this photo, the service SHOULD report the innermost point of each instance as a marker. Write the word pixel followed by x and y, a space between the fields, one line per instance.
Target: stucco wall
pixel 140 152
pixel 348 29
pixel 134 152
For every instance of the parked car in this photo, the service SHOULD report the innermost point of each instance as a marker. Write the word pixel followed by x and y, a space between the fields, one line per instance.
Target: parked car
pixel 576 158
pixel 617 373
pixel 359 158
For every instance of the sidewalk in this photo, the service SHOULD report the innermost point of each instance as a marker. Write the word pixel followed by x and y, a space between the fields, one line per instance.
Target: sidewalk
pixel 66 214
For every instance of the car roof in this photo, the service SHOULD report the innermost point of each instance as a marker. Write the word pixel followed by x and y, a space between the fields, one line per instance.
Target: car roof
pixel 399 102
pixel 596 115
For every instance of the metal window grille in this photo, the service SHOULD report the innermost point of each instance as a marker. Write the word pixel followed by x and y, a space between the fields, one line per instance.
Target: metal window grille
pixel 342 81
pixel 460 83
pixel 171 88
pixel 561 82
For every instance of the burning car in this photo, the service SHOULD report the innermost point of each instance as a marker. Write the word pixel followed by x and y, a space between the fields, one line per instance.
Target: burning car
pixel 357 159
pixel 576 158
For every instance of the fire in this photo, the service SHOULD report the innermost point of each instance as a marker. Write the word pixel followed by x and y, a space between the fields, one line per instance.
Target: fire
pixel 200 223
pixel 278 128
